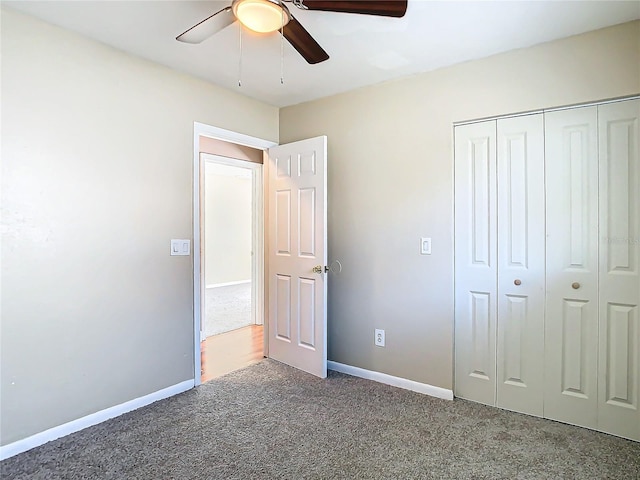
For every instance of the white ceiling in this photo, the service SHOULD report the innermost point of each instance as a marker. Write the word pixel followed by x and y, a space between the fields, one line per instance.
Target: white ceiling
pixel 364 50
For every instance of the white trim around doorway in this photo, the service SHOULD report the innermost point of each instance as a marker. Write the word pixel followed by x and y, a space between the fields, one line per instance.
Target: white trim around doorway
pixel 203 130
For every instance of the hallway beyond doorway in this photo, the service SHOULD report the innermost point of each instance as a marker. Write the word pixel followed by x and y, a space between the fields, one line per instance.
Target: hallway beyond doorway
pixel 227 308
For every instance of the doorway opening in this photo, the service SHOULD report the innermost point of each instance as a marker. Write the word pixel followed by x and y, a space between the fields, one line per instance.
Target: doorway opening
pixel 231 328
pixel 228 251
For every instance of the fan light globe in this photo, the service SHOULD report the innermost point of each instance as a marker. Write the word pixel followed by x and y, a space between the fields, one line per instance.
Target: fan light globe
pixel 262 16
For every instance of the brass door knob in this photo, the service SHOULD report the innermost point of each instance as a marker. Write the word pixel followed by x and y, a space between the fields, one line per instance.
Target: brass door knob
pixel 575 285
pixel 317 269
pixel 517 281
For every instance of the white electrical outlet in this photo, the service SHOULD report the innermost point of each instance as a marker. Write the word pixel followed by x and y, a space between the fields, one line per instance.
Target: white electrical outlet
pixel 379 338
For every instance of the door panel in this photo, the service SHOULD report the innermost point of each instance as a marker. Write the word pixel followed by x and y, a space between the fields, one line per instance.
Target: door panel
pixel 475 262
pixel 619 358
pixel 621 323
pixel 298 243
pixel 306 222
pixel 306 315
pixel 283 308
pixel 514 328
pixel 482 366
pixel 574 349
pixel 283 222
pixel 571 323
pixel 521 242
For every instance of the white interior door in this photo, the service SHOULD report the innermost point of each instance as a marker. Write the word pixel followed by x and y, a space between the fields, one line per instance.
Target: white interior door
pixel 297 253
pixel 619 353
pixel 521 261
pixel 571 323
pixel 475 262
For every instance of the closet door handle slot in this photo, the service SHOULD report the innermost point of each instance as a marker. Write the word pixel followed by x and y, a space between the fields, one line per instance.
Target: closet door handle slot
pixel 575 285
pixel 517 282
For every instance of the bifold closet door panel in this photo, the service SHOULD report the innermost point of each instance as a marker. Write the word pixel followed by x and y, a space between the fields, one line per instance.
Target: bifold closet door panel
pixel 521 263
pixel 475 262
pixel 571 320
pixel 619 356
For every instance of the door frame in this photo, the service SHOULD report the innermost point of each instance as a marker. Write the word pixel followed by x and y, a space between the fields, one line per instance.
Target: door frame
pixel 257 229
pixel 204 130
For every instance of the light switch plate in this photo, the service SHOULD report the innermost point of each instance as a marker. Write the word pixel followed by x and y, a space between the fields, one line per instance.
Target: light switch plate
pixel 180 246
pixel 425 246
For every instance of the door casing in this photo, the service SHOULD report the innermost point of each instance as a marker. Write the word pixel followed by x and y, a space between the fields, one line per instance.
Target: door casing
pixel 204 130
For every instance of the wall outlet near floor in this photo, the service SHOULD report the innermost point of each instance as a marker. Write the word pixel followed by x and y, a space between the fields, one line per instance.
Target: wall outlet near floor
pixel 379 338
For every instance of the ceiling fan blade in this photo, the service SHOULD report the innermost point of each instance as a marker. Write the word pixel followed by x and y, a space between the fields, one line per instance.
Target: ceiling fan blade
pixel 208 26
pixel 386 8
pixel 303 42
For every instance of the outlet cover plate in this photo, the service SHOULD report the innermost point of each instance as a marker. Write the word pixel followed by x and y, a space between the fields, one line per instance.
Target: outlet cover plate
pixel 379 337
pixel 180 246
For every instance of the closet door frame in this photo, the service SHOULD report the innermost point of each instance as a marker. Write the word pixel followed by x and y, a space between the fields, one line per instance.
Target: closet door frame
pixel 626 385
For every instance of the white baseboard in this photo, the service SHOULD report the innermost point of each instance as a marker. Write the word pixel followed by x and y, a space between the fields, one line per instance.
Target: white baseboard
pixel 41 438
pixel 227 284
pixel 391 380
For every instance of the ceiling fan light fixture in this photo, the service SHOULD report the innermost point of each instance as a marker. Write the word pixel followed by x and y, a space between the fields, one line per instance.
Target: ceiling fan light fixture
pixel 262 16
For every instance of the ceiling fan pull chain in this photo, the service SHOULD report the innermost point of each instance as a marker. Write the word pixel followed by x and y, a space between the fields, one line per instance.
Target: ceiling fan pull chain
pixel 240 60
pixel 282 51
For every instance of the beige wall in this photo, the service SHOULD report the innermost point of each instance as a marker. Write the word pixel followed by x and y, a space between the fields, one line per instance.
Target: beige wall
pixel 97 153
pixel 391 182
pixel 227 224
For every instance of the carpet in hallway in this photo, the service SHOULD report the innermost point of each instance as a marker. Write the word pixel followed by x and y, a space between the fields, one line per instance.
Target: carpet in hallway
pixel 227 308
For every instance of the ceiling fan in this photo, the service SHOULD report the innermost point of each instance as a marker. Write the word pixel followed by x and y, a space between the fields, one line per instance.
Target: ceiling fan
pixel 265 16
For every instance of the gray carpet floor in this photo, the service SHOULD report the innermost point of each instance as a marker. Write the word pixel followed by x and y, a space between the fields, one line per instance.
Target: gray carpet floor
pixel 227 308
pixel 270 421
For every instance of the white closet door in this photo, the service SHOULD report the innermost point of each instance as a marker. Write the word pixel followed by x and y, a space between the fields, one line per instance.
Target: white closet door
pixel 521 261
pixel 619 357
pixel 571 322
pixel 475 262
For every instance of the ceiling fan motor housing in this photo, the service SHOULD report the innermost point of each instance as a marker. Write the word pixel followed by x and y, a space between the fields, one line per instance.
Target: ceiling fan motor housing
pixel 261 16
